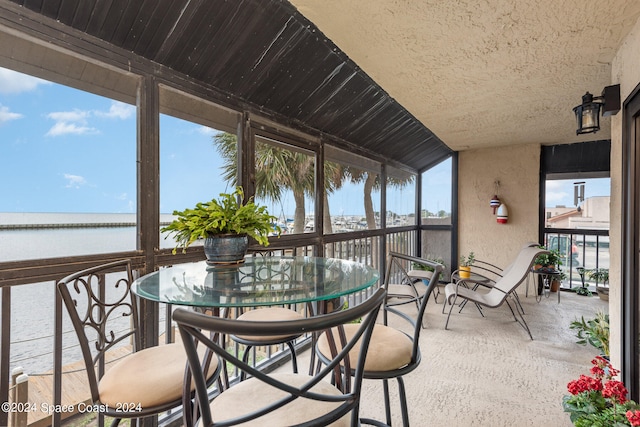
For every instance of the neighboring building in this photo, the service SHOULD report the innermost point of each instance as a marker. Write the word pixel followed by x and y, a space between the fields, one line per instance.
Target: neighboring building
pixel 592 214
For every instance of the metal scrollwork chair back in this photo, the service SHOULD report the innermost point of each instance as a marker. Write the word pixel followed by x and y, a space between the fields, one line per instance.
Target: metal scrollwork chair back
pixel 104 314
pixel 279 399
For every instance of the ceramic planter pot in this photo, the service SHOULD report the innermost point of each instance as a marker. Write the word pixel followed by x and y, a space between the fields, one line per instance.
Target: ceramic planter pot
pixel 464 272
pixel 226 248
pixel 603 292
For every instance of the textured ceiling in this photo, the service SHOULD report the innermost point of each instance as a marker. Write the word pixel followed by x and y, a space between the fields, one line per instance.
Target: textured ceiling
pixel 483 73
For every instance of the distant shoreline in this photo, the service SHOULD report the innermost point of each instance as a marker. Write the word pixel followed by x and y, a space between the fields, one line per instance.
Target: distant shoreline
pixel 71 225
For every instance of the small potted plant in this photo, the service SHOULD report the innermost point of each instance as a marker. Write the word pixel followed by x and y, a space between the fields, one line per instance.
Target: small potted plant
pixel 600 399
pixel 225 224
pixel 465 265
pixel 549 260
pixel 557 281
pixel 601 276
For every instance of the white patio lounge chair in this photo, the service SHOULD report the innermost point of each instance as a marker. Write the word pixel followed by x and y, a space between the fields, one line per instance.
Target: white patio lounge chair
pixel 503 289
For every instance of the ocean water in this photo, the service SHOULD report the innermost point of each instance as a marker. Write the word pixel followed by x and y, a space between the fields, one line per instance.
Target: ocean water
pixel 23 243
pixel 32 306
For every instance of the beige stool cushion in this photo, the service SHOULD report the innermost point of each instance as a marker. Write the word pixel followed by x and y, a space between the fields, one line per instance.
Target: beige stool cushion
pixel 389 348
pixel 253 394
pixel 268 314
pixel 149 377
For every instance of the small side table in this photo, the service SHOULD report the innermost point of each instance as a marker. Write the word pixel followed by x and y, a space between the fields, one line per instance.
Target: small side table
pixel 546 276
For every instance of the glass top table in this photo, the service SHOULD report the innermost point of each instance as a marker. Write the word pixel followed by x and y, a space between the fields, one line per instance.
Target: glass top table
pixel 259 281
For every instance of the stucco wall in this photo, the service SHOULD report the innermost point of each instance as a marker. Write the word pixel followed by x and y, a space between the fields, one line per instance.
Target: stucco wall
pixel 626 71
pixel 517 169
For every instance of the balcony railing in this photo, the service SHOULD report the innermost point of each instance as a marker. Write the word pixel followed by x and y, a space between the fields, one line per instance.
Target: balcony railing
pixel 580 249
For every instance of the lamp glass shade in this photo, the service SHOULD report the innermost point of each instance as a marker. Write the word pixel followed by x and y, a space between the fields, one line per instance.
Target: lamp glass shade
pixel 588 116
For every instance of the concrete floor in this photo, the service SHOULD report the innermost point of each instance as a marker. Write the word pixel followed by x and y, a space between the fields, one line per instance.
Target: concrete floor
pixel 487 372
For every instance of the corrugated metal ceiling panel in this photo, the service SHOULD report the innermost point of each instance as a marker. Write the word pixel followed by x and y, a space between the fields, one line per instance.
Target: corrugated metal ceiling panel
pixel 265 53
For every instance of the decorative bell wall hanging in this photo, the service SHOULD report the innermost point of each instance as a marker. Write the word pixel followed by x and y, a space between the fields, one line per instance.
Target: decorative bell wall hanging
pixel 494 203
pixel 497 205
pixel 503 214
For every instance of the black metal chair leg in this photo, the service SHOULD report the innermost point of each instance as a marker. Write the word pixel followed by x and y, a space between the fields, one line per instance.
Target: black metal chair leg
pixel 245 359
pixel 294 359
pixel 403 402
pixel 450 309
pixel 387 404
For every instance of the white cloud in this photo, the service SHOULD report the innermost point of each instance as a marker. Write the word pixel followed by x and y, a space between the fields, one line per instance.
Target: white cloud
pixel 71 122
pixel 64 128
pixel 122 196
pixel 76 122
pixel 118 110
pixel 556 193
pixel 70 116
pixel 204 130
pixel 74 181
pixel 6 115
pixel 14 82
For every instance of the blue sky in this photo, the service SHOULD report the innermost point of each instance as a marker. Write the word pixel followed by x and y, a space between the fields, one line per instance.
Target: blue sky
pixel 560 192
pixel 65 150
pixel 62 149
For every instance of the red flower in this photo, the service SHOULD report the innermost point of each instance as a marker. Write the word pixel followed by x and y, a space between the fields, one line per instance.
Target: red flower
pixel 602 368
pixel 597 372
pixel 633 417
pixel 615 390
pixel 584 383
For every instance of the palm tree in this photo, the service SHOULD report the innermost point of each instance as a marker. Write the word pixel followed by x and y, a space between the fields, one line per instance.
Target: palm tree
pixel 276 170
pixel 371 182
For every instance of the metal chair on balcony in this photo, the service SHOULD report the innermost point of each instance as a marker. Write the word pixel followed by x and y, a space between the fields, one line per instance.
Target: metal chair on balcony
pixel 104 314
pixel 280 399
pixel 393 353
pixel 503 289
pixel 489 274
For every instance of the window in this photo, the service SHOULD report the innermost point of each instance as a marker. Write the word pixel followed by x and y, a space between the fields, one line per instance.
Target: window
pixel 435 214
pixel 69 168
pixel 436 194
pixel 577 225
pixel 401 198
pixel 198 158
pixel 353 190
pixel 285 183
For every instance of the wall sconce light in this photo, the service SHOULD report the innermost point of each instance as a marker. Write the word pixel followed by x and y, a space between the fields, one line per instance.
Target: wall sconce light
pixel 588 113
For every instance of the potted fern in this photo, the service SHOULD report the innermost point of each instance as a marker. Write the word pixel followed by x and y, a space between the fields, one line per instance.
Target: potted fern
pixel 225 224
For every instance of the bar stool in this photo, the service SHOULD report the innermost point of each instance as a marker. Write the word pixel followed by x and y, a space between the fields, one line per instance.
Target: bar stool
pixel 268 314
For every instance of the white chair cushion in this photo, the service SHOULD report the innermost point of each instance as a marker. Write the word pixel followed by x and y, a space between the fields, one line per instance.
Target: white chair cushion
pixel 388 350
pixel 268 314
pixel 253 394
pixel 149 377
